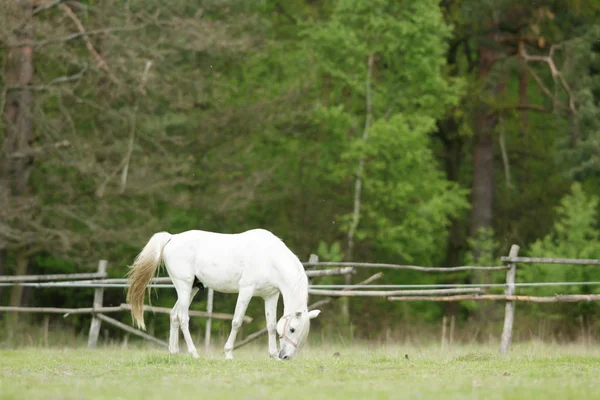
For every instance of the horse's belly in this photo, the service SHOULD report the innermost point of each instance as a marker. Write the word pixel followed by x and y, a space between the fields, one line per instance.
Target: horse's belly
pixel 220 286
pixel 222 280
pixel 222 275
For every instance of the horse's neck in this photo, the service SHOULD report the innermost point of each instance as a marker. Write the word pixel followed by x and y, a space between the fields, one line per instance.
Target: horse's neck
pixel 295 294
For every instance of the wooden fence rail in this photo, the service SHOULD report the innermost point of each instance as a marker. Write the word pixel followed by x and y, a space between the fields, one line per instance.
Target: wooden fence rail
pixel 408 267
pixel 386 293
pixel 52 277
pixel 257 334
pixel 129 329
pixel 99 281
pixel 434 292
pixel 542 260
pixel 557 298
pixel 56 310
pixel 192 313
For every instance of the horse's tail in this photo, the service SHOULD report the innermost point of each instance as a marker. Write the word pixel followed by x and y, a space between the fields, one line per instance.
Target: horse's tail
pixel 140 273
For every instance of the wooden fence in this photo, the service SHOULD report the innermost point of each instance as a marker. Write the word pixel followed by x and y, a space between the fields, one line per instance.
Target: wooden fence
pixel 99 282
pixel 397 292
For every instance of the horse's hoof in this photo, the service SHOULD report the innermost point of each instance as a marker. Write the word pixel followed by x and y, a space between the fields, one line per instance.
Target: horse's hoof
pixel 229 356
pixel 195 354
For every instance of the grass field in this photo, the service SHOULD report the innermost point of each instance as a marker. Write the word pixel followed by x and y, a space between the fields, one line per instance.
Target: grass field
pixel 531 371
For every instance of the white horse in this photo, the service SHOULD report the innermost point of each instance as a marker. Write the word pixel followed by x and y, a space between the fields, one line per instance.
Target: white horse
pixel 253 263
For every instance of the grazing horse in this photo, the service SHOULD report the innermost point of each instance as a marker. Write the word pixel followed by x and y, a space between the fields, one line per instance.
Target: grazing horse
pixel 252 263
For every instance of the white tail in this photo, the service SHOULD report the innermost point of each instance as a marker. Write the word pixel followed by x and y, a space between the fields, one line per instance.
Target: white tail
pixel 141 272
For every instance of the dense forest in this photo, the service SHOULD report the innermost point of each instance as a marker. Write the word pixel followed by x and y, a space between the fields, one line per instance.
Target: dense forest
pixel 430 132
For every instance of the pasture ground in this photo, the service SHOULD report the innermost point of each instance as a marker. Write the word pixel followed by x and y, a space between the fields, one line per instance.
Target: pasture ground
pixel 531 371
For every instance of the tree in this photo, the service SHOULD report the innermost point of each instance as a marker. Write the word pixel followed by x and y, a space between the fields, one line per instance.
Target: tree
pixel 16 159
pixel 387 94
pixel 90 162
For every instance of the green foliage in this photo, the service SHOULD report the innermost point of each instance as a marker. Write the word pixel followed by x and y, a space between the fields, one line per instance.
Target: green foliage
pixel 583 155
pixel 407 41
pixel 331 253
pixel 485 246
pixel 255 115
pixel 575 235
pixel 408 202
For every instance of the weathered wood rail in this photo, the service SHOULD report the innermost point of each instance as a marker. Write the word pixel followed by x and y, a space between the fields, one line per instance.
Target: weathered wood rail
pixel 99 282
pixel 437 292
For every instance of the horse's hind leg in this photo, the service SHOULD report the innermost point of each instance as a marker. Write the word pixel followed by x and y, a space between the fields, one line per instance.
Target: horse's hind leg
pixel 174 333
pixel 184 298
pixel 243 300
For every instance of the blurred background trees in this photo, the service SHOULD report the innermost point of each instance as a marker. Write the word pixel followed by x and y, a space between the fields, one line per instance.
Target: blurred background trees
pixel 431 133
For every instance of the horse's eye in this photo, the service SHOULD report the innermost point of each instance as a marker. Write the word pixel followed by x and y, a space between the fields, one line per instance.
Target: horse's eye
pixel 292 330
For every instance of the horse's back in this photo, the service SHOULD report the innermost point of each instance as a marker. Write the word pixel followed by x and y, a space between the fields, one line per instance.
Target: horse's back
pixel 251 239
pixel 225 261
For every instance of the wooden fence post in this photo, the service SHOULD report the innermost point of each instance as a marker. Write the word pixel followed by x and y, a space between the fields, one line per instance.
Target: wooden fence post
pixel 313 258
pixel 509 311
pixel 98 299
pixel 444 332
pixel 452 323
pixel 209 309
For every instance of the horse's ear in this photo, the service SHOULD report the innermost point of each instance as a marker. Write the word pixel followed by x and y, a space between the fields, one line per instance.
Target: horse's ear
pixel 298 314
pixel 314 313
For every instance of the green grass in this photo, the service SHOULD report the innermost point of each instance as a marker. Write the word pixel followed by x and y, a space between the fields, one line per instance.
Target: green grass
pixel 530 371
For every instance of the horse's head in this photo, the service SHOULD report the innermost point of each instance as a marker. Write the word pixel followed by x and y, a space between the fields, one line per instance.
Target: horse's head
pixel 292 330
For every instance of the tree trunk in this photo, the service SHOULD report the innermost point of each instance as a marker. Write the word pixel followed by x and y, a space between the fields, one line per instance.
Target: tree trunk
pixel 483 153
pixel 523 98
pixel 453 157
pixel 453 148
pixel 2 263
pixel 18 123
pixel 21 269
pixel 356 213
pixel 18 110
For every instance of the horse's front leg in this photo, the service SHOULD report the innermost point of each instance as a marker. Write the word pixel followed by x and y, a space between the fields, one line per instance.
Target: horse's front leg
pixel 271 317
pixel 243 300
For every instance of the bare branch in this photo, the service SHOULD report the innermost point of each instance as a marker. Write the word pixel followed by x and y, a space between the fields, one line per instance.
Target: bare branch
pixel 556 75
pixel 102 187
pixel 81 6
pixel 69 213
pixel 133 127
pixel 546 90
pixel 38 44
pixel 46 6
pixel 528 107
pixel 39 150
pixel 504 153
pixel 55 81
pixel 88 43
pixel 361 163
